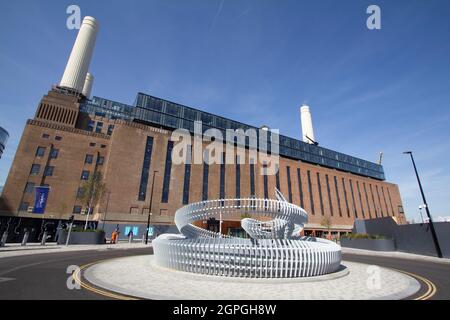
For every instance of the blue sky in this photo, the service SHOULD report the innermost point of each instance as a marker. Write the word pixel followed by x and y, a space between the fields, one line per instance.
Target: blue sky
pixel 258 61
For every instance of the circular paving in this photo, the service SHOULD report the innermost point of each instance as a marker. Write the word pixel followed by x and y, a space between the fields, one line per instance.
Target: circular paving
pixel 138 276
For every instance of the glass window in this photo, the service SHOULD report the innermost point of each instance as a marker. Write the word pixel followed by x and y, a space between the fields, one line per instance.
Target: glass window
pixel 167 170
pixel 367 199
pixel 345 197
pixel 379 201
pixel 288 172
pixel 190 114
pixel 85 175
pixel 88 159
pixel 35 168
pixel 100 160
pixel 110 129
pixel 277 177
pixel 24 206
pixel 390 200
pixel 353 199
pixel 329 195
pixel 76 210
pixel 336 189
pixel 40 151
pixel 92 144
pixel 45 136
pixel 319 186
pixel 29 187
pixel 48 172
pixel 80 192
pixel 90 126
pixel 266 182
pixel 385 202
pixel 252 179
pixel 205 178
pixel 360 199
pixel 172 109
pixel 54 154
pixel 99 127
pixel 222 177
pixel 145 169
pixel 238 180
pixel 300 188
pixel 373 201
pixel 187 176
pixel 58 138
pixel 311 197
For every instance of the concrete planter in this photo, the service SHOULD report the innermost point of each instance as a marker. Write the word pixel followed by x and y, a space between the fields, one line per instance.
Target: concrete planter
pixel 369 244
pixel 82 237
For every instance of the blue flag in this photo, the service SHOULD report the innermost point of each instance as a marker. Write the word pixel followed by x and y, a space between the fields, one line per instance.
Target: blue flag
pixel 40 200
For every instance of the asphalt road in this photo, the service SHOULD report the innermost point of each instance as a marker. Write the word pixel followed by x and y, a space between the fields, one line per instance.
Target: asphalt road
pixel 43 276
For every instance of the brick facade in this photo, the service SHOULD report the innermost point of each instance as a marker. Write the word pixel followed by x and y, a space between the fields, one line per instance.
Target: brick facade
pixel 122 152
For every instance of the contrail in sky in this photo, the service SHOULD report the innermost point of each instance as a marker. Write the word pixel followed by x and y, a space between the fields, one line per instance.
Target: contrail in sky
pixel 219 10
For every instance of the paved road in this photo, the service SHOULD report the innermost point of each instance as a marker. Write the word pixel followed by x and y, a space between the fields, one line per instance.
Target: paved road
pixel 43 276
pixel 437 273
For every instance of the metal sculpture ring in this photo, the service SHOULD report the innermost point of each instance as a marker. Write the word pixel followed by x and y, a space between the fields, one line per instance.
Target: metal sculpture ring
pixel 275 248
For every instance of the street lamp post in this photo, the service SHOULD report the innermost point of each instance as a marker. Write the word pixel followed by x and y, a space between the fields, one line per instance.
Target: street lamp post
pixel 420 211
pixel 150 207
pixel 433 231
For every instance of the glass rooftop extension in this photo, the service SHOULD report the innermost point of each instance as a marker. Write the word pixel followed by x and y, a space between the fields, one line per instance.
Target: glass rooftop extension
pixel 152 110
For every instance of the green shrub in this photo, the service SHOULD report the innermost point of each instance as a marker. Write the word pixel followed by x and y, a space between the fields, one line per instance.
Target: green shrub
pixel 79 229
pixel 363 236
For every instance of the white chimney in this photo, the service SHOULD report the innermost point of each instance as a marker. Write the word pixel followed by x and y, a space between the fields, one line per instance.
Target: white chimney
pixel 307 127
pixel 78 64
pixel 87 88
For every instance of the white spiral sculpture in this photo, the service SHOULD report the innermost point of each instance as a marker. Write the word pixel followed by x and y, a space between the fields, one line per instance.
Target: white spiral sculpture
pixel 274 249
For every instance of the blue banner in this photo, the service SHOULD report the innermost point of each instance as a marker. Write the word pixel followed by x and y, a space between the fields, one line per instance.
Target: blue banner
pixel 40 200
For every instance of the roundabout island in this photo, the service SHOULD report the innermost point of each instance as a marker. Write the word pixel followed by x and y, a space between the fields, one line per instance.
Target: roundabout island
pixel 274 263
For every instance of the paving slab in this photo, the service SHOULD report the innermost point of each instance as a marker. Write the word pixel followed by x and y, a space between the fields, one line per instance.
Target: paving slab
pixel 14 250
pixel 140 277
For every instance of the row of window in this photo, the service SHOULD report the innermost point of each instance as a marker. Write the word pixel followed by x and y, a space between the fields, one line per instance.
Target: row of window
pixel 48 170
pixel 162 112
pixel 99 127
pixel 47 136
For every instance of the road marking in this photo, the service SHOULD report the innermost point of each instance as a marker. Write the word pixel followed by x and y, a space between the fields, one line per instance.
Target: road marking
pixel 431 287
pixel 77 278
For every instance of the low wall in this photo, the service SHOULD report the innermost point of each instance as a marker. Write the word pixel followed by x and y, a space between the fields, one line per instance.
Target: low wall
pixel 413 238
pixel 369 244
pixel 82 237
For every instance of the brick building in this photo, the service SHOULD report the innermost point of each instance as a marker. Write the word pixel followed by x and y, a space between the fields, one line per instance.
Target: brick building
pixel 72 136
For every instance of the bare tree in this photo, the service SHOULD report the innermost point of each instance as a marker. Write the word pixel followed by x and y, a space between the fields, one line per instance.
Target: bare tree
pixel 92 192
pixel 326 222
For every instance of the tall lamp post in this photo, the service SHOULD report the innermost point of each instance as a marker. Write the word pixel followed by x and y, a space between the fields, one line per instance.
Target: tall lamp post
pixel 433 231
pixel 150 207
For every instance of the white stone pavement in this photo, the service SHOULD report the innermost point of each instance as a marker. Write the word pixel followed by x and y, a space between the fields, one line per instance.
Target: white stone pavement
pixel 13 250
pixel 395 254
pixel 138 276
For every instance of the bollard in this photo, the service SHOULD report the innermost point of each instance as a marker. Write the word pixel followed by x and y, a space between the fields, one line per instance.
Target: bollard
pixel 3 239
pixel 25 238
pixel 44 238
